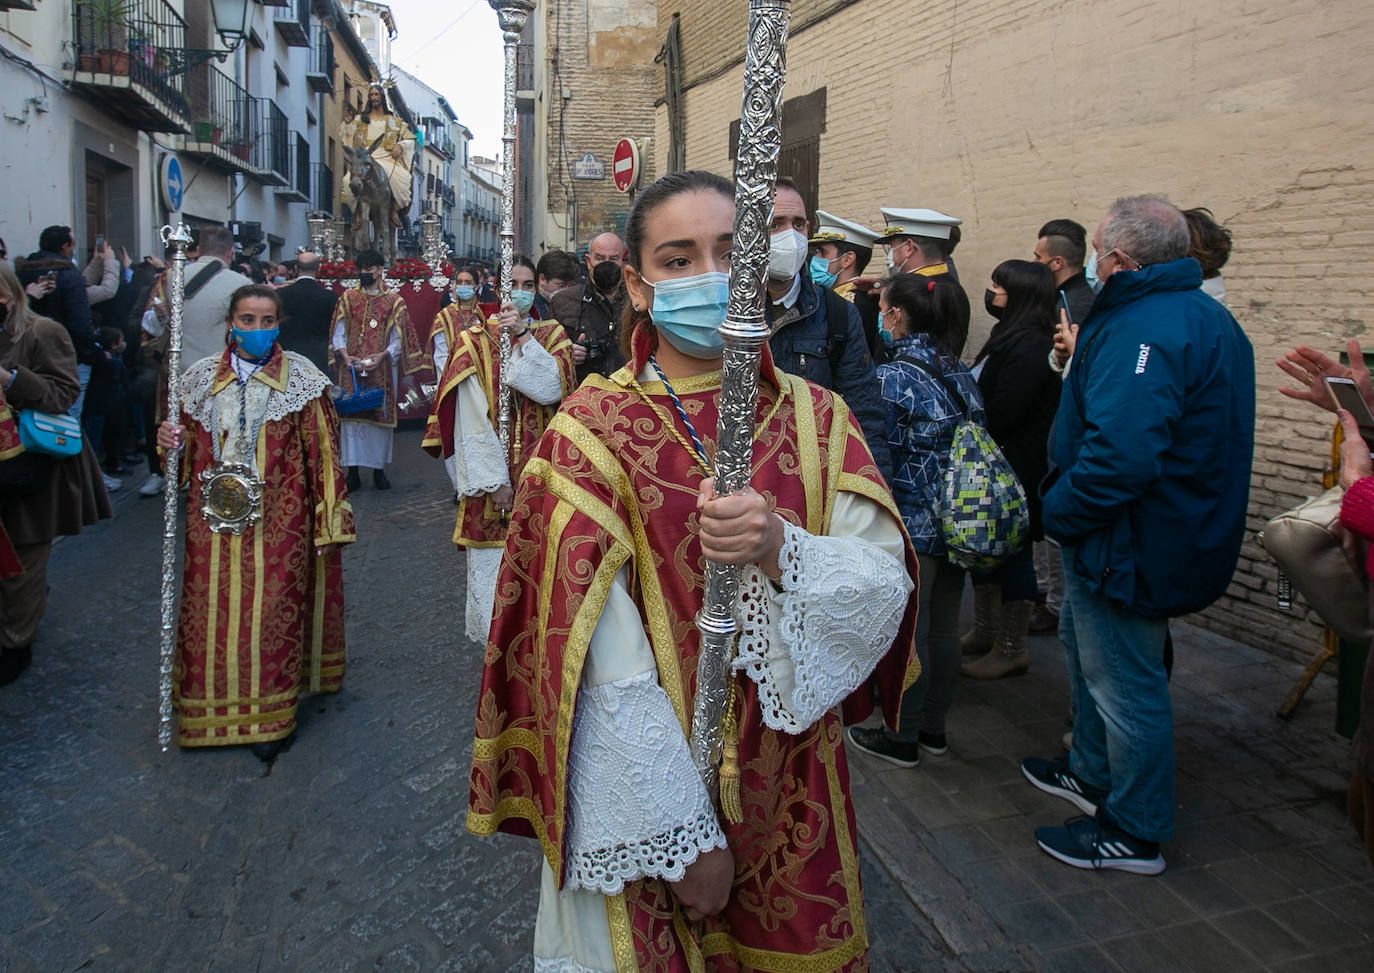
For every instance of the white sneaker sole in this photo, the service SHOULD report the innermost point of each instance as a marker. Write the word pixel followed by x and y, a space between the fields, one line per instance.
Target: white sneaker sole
pixel 1136 866
pixel 1073 797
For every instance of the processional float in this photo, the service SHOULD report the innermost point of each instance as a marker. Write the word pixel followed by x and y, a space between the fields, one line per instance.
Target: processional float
pixel 745 330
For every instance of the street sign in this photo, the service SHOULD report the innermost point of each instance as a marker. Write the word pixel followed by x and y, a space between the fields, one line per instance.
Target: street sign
pixel 625 165
pixel 589 167
pixel 172 182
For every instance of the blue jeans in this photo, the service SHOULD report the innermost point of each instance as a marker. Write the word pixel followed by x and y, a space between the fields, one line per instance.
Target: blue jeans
pixel 1123 730
pixel 83 374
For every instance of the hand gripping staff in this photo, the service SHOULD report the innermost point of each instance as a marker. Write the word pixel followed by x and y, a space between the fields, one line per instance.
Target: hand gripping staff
pixel 511 15
pixel 179 239
pixel 714 727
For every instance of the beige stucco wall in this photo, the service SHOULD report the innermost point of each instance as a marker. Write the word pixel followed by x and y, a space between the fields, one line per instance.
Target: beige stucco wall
pixel 1010 114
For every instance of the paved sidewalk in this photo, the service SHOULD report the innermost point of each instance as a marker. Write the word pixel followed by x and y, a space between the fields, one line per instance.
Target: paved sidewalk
pixel 1264 872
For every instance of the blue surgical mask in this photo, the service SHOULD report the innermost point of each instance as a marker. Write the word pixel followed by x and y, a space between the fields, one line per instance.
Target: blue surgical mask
pixel 688 312
pixel 883 332
pixel 820 271
pixel 1090 272
pixel 255 344
pixel 464 292
pixel 523 300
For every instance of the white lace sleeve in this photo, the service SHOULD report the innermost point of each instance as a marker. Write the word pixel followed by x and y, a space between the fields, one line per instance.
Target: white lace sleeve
pixel 843 596
pixel 477 466
pixel 636 805
pixel 534 373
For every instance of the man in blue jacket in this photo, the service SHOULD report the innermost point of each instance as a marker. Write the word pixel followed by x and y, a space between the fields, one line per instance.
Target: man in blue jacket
pixel 1150 474
pixel 66 303
pixel 816 333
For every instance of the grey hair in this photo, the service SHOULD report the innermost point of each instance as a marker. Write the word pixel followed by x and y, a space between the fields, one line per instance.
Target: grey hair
pixel 1148 229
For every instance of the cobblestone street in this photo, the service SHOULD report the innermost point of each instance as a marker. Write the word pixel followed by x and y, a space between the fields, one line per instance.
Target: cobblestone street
pixel 350 853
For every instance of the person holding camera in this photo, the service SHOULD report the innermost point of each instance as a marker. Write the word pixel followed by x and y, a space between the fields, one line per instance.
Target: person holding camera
pixel 590 311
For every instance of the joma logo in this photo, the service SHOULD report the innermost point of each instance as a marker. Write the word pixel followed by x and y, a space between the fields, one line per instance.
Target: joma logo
pixel 1142 359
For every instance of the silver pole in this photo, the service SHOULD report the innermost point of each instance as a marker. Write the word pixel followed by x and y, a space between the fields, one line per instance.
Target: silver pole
pixel 512 15
pixel 745 331
pixel 180 239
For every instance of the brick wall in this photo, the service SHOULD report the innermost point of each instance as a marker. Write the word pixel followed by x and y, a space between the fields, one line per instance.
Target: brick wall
pixel 602 53
pixel 1011 113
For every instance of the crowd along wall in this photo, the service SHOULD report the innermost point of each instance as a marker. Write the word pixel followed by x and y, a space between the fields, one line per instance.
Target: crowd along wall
pixel 1010 114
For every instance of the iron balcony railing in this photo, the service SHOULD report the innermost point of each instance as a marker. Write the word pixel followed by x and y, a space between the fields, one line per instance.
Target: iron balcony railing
pixel 224 116
pixel 142 40
pixel 320 74
pixel 293 23
pixel 273 155
pixel 322 187
pixel 297 187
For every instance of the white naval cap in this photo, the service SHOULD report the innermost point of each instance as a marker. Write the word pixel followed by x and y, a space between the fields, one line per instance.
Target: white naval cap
pixel 832 229
pixel 916 222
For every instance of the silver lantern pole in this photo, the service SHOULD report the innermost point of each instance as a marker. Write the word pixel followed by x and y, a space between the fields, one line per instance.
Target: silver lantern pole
pixel 745 330
pixel 179 239
pixel 512 15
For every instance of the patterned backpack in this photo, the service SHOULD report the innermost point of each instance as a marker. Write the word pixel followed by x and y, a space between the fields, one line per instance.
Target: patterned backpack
pixel 982 508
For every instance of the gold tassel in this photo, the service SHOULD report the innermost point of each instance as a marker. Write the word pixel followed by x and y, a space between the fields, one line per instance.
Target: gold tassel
pixel 730 805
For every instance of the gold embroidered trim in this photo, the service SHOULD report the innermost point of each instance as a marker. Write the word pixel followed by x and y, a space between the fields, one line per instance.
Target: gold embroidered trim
pixel 622 938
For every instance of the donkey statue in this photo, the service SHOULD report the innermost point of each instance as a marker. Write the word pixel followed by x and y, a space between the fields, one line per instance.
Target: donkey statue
pixel 372 203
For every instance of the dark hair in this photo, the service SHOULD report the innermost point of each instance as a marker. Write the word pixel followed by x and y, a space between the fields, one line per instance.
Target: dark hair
pixel 369 258
pixel 109 337
pixel 955 235
pixel 216 241
pixel 1209 243
pixel 557 265
pixel 1030 294
pixel 651 198
pixel 934 306
pixel 862 255
pixel 472 270
pixel 256 290
pixel 54 238
pixel 1067 239
pixel 520 260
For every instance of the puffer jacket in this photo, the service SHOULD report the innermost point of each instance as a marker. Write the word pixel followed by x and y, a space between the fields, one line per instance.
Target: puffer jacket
pixel 67 304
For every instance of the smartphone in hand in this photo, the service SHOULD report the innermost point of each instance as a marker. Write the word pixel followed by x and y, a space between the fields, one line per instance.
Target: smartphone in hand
pixel 1346 394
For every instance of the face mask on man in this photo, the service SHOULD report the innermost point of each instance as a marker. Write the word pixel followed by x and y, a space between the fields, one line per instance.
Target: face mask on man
pixel 1090 272
pixel 786 254
pixel 688 311
pixel 523 300
pixel 367 280
pixel 820 271
pixel 606 276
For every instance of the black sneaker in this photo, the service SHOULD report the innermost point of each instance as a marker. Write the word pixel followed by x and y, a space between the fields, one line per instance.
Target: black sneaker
pixel 934 743
pixel 1054 777
pixel 353 481
pixel 380 481
pixel 874 740
pixel 1086 842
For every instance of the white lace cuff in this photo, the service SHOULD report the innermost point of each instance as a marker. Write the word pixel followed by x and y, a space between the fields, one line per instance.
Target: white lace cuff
pixel 534 373
pixel 636 806
pixel 813 644
pixel 481 465
pixel 560 964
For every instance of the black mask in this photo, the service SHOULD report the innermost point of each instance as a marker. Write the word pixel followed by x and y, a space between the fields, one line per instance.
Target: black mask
pixel 367 279
pixel 606 276
pixel 993 309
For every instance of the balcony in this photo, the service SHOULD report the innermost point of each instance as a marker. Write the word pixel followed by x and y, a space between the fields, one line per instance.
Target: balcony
pixel 297 188
pixel 224 121
pixel 272 154
pixel 322 187
pixel 320 72
pixel 293 23
pixel 127 58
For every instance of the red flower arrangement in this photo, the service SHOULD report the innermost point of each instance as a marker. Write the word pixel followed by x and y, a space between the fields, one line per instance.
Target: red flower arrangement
pixel 337 270
pixel 408 268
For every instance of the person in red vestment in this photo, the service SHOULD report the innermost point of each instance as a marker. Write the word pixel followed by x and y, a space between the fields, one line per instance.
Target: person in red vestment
pixel 465 418
pixel 262 588
pixel 590 669
pixel 464 312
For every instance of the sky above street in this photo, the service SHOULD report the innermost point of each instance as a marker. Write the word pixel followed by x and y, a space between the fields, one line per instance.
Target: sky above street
pixel 455 47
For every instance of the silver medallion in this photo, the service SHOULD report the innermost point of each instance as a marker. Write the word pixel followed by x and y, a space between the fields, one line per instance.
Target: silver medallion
pixel 231 498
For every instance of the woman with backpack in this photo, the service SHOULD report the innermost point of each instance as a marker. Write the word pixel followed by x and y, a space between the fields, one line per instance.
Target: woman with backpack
pixel 1021 395
pixel 919 385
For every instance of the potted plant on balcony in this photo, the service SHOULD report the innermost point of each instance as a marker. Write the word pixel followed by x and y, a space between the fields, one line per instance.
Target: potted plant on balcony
pixel 108 24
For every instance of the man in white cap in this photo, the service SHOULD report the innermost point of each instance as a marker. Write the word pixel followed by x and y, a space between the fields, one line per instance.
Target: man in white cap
pixel 840 252
pixel 918 241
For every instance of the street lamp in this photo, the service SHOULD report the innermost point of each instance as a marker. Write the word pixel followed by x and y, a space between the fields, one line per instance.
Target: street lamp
pixel 231 21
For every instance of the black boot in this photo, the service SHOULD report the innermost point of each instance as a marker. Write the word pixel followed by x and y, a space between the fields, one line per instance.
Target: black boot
pixel 380 481
pixel 267 752
pixel 13 662
pixel 354 481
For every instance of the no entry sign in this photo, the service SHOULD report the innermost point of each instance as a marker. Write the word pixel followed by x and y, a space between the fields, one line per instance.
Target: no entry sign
pixel 625 165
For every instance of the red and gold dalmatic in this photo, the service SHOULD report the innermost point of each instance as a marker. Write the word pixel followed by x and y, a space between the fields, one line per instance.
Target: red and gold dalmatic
pixel 261 613
pixel 610 484
pixel 450 322
pixel 476 352
pixel 10 447
pixel 369 322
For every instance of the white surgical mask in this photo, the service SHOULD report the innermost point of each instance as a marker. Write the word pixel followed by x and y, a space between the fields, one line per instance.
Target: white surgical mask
pixel 787 253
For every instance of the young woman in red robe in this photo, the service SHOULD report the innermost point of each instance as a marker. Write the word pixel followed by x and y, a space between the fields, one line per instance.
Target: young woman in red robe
pixel 587 695
pixel 262 588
